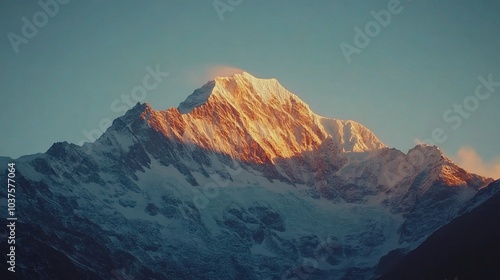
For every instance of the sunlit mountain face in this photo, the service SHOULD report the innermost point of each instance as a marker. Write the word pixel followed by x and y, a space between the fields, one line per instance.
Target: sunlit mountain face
pixel 240 181
pixel 231 114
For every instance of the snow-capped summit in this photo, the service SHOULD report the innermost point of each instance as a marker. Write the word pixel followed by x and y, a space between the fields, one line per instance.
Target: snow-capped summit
pixel 237 89
pixel 257 120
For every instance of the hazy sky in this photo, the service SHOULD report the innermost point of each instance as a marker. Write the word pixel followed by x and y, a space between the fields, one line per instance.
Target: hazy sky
pixel 87 54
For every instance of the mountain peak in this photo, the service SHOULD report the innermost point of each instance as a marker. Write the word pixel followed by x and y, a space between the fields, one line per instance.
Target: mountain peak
pixel 424 155
pixel 238 88
pixel 256 120
pixel 197 98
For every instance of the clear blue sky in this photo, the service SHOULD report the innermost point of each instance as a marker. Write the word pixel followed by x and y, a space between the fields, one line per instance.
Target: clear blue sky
pixel 64 79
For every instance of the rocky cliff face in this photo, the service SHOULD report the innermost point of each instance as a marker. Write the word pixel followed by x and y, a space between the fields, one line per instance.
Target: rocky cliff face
pixel 466 248
pixel 241 181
